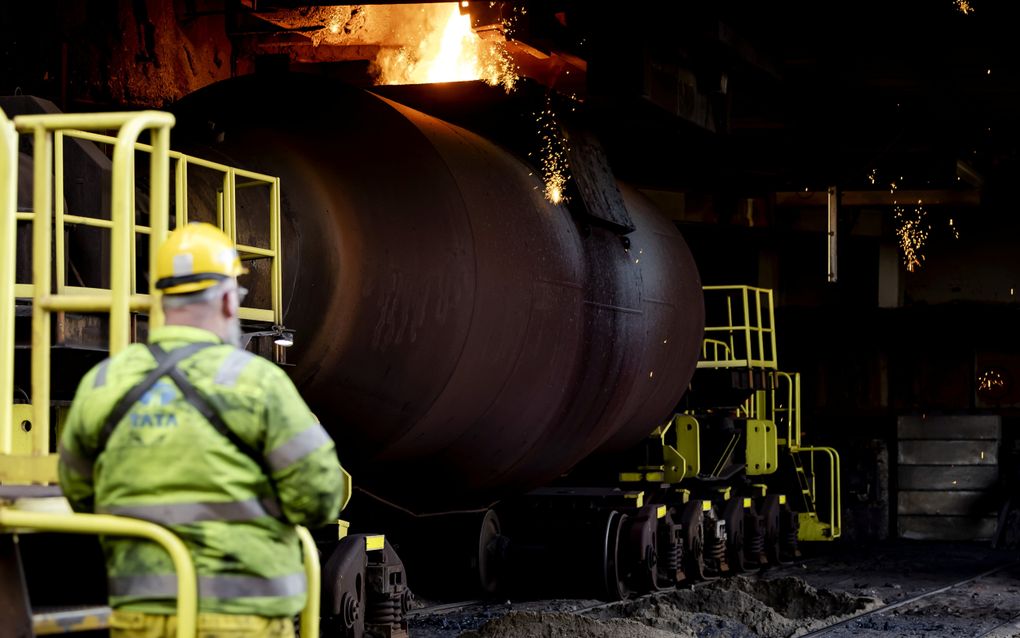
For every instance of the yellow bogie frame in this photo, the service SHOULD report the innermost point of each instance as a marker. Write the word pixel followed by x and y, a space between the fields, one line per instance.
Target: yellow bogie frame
pixel 741 336
pixel 26 455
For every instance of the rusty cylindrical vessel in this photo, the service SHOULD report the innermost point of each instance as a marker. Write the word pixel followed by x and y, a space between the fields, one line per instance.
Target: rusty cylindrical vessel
pixel 456 333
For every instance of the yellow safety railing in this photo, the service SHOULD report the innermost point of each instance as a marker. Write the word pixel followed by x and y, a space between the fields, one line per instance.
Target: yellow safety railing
pixel 226 219
pixel 788 413
pixel 123 297
pixel 715 350
pixel 742 319
pixel 187 585
pixel 14 520
pixel 119 301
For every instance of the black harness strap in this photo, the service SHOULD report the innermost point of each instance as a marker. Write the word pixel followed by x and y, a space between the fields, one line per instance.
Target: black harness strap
pixel 164 364
pixel 206 409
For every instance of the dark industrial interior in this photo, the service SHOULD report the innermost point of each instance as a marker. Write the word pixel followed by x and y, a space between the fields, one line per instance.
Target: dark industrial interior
pixel 854 158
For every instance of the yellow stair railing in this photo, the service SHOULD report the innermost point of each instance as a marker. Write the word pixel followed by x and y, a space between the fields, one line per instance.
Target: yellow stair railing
pixel 786 411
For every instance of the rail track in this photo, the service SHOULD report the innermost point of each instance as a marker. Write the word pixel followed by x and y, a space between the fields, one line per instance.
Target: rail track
pixel 850 624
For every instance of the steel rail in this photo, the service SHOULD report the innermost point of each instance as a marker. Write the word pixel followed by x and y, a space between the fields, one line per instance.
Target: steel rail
pixel 445 607
pixel 821 631
pixel 1013 623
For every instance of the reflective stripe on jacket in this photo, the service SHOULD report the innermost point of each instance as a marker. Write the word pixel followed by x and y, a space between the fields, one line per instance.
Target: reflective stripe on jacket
pixel 166 463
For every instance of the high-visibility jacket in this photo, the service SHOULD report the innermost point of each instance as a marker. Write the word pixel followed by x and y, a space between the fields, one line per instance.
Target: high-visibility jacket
pixel 165 462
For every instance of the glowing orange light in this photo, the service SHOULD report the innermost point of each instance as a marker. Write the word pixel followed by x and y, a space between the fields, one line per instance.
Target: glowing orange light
pixel 447 50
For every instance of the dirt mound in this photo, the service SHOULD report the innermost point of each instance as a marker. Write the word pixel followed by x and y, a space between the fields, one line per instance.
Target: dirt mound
pixel 739 607
pixel 528 624
pixel 794 598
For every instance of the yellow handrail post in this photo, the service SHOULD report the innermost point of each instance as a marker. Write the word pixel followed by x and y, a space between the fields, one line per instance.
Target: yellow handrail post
pixel 310 554
pixel 8 244
pixel 274 245
pixel 41 277
pixel 121 198
pixel 230 205
pixel 796 399
pixel 187 583
pixel 772 327
pixel 729 320
pixel 181 192
pixel 747 323
pixel 760 328
pixel 58 209
pixel 159 214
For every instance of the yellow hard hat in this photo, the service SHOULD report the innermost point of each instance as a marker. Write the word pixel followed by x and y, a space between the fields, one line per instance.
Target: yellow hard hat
pixel 195 257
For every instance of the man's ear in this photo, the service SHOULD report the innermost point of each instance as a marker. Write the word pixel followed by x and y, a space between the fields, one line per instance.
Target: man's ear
pixel 227 305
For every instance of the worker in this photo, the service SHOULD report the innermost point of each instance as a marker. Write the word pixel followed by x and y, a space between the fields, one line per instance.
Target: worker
pixel 209 440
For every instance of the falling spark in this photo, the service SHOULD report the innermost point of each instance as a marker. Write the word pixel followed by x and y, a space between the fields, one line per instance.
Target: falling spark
pixel 553 151
pixel 953 229
pixel 964 7
pixel 873 176
pixel 447 50
pixel 912 231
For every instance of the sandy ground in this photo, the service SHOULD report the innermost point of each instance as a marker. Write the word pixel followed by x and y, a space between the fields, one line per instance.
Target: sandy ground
pixel 838 583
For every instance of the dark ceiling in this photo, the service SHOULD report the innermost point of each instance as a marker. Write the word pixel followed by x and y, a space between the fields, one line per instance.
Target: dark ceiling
pixel 822 93
pixel 750 98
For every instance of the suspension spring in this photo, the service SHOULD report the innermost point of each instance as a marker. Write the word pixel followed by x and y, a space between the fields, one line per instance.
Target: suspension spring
pixel 717 550
pixel 669 555
pixel 387 611
pixel 789 540
pixel 754 544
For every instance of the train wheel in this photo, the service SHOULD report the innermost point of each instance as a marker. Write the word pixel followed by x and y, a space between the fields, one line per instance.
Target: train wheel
pixel 770 514
pixel 640 565
pixel 694 541
pixel 614 587
pixel 733 514
pixel 491 552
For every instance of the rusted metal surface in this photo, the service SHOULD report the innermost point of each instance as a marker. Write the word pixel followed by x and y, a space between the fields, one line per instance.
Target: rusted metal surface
pixel 461 338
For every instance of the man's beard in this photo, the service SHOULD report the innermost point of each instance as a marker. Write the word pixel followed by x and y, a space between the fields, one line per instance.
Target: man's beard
pixel 233 336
